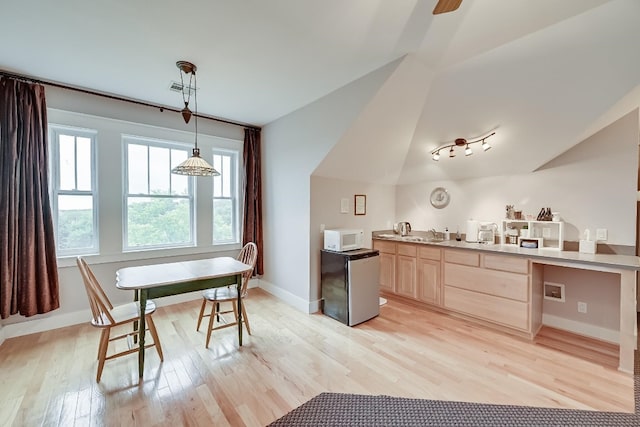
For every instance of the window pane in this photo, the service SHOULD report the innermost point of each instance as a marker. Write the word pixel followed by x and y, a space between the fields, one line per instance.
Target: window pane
pixel 153 221
pixel 138 169
pixel 217 180
pixel 67 168
pixel 83 162
pixel 75 222
pixel 226 176
pixel 222 220
pixel 179 183
pixel 159 170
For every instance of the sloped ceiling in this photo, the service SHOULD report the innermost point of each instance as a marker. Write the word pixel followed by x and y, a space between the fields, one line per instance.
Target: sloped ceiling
pixel 540 72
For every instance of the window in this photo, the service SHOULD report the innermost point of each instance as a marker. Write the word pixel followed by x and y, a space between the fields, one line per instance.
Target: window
pixel 74 194
pixel 225 198
pixel 158 205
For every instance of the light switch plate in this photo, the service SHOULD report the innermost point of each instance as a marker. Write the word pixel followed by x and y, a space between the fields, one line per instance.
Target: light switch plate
pixel 601 234
pixel 344 205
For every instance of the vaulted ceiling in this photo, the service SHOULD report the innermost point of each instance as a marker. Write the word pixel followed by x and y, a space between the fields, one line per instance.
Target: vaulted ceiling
pixel 538 72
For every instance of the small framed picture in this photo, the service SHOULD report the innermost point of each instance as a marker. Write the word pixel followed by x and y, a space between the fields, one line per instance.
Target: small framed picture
pixel 360 204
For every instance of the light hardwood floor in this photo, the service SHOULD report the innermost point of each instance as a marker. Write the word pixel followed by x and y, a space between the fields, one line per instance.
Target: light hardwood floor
pixel 49 378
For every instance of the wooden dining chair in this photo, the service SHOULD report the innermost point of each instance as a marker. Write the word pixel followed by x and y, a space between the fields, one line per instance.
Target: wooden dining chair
pixel 229 294
pixel 105 316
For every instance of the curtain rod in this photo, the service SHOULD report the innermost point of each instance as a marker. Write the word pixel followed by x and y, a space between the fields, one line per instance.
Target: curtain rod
pixel 28 79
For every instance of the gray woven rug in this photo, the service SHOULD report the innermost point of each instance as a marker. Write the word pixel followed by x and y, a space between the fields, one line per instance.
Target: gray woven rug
pixel 334 409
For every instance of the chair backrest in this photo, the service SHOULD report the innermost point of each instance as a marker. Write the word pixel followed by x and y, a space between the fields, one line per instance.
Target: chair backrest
pixel 248 255
pixel 98 300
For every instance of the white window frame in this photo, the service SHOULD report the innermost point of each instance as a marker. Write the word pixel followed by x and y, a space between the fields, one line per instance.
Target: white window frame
pixel 151 142
pixel 54 164
pixel 235 197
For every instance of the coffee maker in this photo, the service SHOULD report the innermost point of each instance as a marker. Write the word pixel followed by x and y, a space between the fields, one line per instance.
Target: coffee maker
pixel 487 232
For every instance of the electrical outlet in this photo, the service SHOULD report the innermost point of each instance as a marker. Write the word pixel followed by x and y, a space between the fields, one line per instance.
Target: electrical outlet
pixel 601 234
pixel 582 307
pixel 546 233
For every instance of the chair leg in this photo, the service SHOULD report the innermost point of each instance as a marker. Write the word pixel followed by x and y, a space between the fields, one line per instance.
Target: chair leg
pixel 154 334
pixel 204 303
pixel 102 351
pixel 235 309
pixel 245 318
pixel 211 319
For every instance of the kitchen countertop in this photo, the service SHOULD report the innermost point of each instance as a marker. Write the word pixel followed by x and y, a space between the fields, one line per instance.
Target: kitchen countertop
pixel 626 262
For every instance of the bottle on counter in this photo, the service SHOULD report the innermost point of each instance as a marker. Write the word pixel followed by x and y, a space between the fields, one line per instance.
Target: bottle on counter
pixel 447 235
pixel 458 237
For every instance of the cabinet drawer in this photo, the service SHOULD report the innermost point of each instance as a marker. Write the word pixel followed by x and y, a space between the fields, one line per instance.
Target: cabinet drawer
pixel 384 247
pixel 492 282
pixel 462 257
pixel 507 263
pixel 407 250
pixel 488 307
pixel 428 252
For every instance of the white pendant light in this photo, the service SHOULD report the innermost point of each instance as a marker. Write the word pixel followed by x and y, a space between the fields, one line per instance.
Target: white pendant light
pixel 194 165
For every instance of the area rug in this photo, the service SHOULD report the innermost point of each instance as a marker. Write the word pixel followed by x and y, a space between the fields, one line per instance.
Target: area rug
pixel 335 409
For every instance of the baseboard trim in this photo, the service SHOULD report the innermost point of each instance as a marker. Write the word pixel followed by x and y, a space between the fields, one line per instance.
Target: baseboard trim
pixel 592 331
pixel 55 321
pixel 289 298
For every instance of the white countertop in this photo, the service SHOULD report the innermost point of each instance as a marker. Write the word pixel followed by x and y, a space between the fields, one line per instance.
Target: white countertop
pixel 626 262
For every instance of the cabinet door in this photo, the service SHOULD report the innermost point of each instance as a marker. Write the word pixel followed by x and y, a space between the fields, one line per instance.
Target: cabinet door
pixel 429 281
pixel 406 281
pixel 387 272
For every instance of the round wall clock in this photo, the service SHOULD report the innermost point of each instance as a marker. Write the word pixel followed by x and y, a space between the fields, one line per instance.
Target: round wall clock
pixel 439 197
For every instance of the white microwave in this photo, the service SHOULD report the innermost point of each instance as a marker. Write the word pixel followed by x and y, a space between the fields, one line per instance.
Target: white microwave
pixel 343 239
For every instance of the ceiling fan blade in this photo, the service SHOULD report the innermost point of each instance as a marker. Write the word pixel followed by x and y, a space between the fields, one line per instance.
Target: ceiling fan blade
pixel 445 6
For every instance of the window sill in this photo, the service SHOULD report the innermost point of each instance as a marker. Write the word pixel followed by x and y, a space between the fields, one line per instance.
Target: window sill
pixel 70 261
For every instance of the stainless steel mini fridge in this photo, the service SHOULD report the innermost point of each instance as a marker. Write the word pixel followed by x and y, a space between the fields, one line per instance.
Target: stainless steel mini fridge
pixel 350 284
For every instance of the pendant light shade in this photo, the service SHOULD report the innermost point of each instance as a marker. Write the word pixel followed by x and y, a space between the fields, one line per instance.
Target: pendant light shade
pixel 194 165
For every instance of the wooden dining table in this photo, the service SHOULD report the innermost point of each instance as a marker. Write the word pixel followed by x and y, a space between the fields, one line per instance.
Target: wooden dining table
pixel 161 280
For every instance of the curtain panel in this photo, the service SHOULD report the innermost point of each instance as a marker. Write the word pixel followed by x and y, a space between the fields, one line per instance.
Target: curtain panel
pixel 252 227
pixel 28 267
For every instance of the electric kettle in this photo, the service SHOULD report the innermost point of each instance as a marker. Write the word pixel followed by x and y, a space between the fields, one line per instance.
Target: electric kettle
pixel 403 228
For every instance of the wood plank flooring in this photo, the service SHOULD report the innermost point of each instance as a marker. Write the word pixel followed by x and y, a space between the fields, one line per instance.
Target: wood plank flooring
pixel 49 378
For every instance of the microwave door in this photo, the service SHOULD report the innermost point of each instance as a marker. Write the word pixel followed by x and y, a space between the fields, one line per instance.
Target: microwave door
pixel 349 240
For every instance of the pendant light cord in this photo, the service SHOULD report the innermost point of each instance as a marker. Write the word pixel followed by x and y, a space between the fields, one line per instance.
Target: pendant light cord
pixel 195 99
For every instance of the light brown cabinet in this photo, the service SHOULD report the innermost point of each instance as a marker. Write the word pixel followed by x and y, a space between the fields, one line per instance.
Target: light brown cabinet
pixel 406 270
pixel 410 270
pixel 494 288
pixel 406 278
pixel 387 265
pixel 428 281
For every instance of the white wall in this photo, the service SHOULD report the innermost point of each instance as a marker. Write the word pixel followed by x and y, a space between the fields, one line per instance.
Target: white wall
pixel 601 292
pixel 326 194
pixel 112 119
pixel 292 148
pixel 593 185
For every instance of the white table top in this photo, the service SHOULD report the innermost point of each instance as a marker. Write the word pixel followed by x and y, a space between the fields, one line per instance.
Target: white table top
pixel 149 276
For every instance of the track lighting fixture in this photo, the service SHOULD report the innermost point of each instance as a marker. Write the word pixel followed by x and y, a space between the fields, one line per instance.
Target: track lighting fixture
pixel 461 142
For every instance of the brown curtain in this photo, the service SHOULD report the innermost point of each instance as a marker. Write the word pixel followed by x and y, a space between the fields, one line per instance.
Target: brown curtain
pixel 252 227
pixel 28 268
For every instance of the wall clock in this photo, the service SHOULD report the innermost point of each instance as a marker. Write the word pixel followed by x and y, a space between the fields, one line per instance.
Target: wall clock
pixel 439 197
